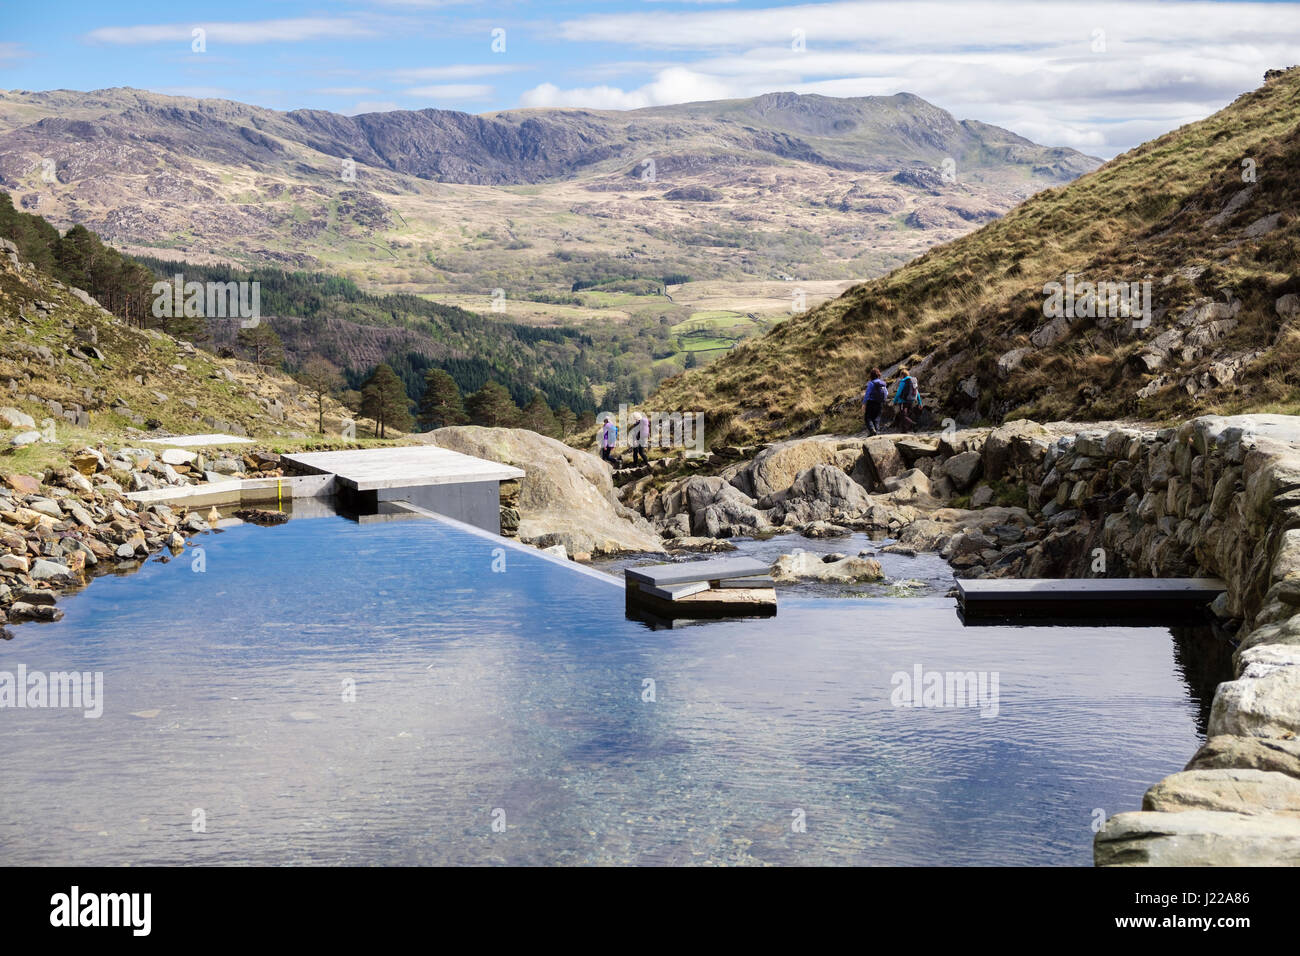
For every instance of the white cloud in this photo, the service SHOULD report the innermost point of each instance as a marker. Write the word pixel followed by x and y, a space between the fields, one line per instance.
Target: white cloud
pixel 347 91
pixel 899 25
pixel 248 32
pixel 1041 69
pixel 371 106
pixel 457 71
pixel 452 91
pixel 674 85
pixel 11 52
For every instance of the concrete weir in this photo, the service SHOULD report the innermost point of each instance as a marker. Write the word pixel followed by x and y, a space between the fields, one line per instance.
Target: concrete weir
pixel 1161 599
pixel 458 486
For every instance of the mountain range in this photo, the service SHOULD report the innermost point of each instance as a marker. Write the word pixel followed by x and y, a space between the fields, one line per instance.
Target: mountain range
pixel 436 201
pixel 1202 223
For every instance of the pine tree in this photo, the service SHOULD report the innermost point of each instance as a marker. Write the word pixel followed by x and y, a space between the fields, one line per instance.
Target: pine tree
pixel 491 405
pixel 441 404
pixel 567 421
pixel 384 401
pixel 322 378
pixel 537 416
pixel 264 343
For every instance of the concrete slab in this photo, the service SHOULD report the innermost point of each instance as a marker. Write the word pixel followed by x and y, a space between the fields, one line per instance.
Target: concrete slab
pixel 197 441
pixel 675 592
pixel 1069 589
pixel 375 469
pixel 1092 598
pixel 663 575
pixel 239 491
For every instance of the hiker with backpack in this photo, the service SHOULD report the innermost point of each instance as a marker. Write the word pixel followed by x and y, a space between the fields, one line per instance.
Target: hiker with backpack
pixel 906 398
pixel 873 401
pixel 609 439
pixel 639 435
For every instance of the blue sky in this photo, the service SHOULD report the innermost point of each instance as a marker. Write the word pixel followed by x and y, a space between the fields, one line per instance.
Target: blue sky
pixel 1099 76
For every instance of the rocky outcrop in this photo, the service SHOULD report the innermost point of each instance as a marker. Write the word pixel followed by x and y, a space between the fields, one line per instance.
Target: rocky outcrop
pixel 775 468
pixel 566 496
pixel 822 493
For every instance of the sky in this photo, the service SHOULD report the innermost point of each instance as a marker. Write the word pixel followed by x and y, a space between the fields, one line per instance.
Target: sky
pixel 1098 76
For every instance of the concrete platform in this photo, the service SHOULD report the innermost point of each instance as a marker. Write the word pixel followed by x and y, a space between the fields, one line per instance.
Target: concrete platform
pixel 723 587
pixel 375 469
pixel 685 572
pixel 458 486
pixel 1075 598
pixel 239 491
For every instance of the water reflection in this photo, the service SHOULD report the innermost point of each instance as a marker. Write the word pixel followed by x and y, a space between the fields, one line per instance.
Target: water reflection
pixel 520 696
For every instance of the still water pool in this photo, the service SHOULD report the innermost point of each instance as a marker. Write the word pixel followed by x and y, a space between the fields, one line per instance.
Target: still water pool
pixel 505 711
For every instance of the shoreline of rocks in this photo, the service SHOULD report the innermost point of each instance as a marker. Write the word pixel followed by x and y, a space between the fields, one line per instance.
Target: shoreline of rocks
pixel 76 522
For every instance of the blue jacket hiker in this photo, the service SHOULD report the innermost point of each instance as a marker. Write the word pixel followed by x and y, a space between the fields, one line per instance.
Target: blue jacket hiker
pixel 906 398
pixel 873 401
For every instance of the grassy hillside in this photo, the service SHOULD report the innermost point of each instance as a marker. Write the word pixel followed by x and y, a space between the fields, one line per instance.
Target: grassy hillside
pixel 1220 251
pixel 84 375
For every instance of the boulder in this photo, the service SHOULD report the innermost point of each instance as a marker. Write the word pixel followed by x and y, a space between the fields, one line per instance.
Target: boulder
pixel 43 570
pixel 909 486
pixel 955 442
pixel 726 514
pixel 14 562
pixel 177 456
pixel 822 493
pixel 13 418
pixel 1267 706
pixel 1198 838
pixel 1231 790
pixel 1227 752
pixel 566 496
pixel 227 466
pixel 194 522
pixel 824 529
pixel 804 564
pixel 1015 448
pixel 963 469
pixel 914 447
pixel 775 468
pixel 1008 362
pixel 23 611
pixel 23 484
pixel 883 459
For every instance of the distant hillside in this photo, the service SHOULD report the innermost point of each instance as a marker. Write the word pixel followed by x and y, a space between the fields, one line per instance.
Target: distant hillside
pixel 1181 212
pixel 324 315
pixel 436 201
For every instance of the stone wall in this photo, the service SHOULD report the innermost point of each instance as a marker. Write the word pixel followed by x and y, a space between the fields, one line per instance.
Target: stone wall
pixel 1215 497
